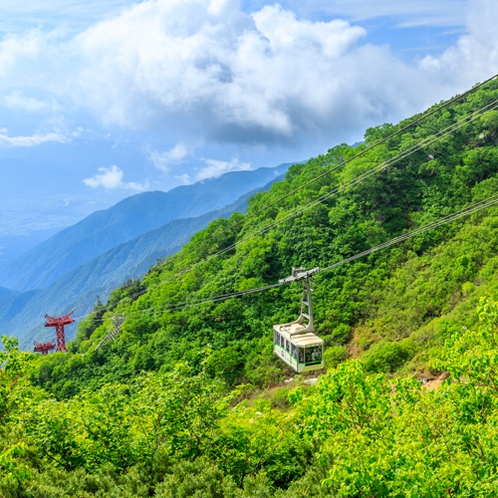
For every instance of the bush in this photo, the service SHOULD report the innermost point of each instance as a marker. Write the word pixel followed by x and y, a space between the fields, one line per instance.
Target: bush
pixel 199 478
pixel 335 355
pixel 386 356
pixel 341 334
pixel 280 398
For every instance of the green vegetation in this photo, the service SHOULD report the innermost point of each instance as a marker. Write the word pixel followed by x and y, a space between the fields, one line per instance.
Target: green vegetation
pixel 107 270
pixel 189 400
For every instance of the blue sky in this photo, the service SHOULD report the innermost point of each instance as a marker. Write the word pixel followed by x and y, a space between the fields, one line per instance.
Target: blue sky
pixel 106 98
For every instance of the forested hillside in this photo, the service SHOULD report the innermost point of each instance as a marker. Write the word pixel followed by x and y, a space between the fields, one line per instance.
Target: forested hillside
pixel 189 399
pixel 22 313
pixel 126 220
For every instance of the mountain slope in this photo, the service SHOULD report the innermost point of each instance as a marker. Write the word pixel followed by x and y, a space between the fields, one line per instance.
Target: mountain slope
pixel 12 247
pixel 176 404
pixel 420 187
pixel 22 315
pixel 4 292
pixel 128 219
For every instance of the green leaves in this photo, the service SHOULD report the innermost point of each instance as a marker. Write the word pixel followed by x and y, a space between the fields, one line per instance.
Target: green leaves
pixel 14 366
pixel 181 412
pixel 149 414
pixel 10 467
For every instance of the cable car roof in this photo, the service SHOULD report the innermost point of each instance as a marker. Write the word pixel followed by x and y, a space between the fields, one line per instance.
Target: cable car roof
pixel 300 340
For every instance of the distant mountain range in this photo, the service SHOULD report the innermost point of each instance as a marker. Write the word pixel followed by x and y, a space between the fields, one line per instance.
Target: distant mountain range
pixel 7 292
pixel 14 246
pixel 133 216
pixel 77 289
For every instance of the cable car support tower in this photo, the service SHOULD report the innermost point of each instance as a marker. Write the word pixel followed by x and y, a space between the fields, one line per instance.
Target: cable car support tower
pixel 44 347
pixel 59 323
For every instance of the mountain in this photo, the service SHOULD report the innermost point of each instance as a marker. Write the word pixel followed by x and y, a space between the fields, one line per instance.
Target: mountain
pixel 131 217
pixel 21 314
pixel 187 396
pixel 4 292
pixel 390 302
pixel 13 246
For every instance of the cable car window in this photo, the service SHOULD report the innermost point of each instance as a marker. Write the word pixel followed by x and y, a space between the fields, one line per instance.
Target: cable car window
pixel 287 346
pixel 282 341
pixel 277 338
pixel 314 354
pixel 301 355
pixel 294 351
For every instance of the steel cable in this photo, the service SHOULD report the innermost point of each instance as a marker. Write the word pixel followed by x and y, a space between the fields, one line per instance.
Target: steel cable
pixel 362 177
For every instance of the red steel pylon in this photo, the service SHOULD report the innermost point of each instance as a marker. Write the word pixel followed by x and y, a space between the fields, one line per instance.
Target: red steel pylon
pixel 44 347
pixel 59 323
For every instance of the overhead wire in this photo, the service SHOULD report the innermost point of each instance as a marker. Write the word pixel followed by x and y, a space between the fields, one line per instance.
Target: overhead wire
pixel 335 168
pixel 345 186
pixel 478 206
pixel 362 177
pixel 466 211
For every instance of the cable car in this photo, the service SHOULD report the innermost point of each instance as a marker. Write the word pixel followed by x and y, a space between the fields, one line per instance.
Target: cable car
pixel 295 342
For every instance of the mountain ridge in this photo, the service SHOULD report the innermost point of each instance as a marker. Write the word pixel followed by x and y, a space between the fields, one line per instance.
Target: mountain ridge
pixel 124 221
pixel 22 314
pixel 4 292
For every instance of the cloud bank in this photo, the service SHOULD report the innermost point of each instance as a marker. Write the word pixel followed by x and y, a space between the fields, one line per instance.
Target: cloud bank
pixel 204 72
pixel 475 56
pixel 205 67
pixel 112 179
pixel 30 141
pixel 213 74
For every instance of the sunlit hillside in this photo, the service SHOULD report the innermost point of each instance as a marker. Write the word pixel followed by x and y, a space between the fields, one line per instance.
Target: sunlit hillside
pixel 172 389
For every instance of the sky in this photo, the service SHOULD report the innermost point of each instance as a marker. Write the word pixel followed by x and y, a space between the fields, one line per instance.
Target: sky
pixel 102 99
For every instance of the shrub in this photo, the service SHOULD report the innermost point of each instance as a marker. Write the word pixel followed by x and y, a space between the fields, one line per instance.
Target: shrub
pixel 341 334
pixel 335 355
pixel 386 356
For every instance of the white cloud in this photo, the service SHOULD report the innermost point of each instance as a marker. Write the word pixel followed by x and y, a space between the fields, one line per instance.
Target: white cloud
pixel 111 179
pixel 16 100
pixel 205 68
pixel 475 56
pixel 77 132
pixel 14 49
pixel 184 179
pixel 30 141
pixel 216 168
pixel 163 160
pixel 205 72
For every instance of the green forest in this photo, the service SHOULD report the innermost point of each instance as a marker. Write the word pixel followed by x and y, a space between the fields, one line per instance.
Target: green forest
pixel 172 389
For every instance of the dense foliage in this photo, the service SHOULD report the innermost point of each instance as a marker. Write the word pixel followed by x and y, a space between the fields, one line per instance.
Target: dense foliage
pixel 188 399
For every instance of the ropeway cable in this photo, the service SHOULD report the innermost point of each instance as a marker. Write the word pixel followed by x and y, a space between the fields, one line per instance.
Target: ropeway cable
pixel 468 210
pixel 478 206
pixel 346 186
pixel 331 170
pixel 354 181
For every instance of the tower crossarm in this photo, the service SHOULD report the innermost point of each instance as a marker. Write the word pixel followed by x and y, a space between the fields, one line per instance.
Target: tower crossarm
pixel 63 320
pixel 299 274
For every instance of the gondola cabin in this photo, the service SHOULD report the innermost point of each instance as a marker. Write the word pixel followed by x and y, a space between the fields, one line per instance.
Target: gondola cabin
pixel 295 342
